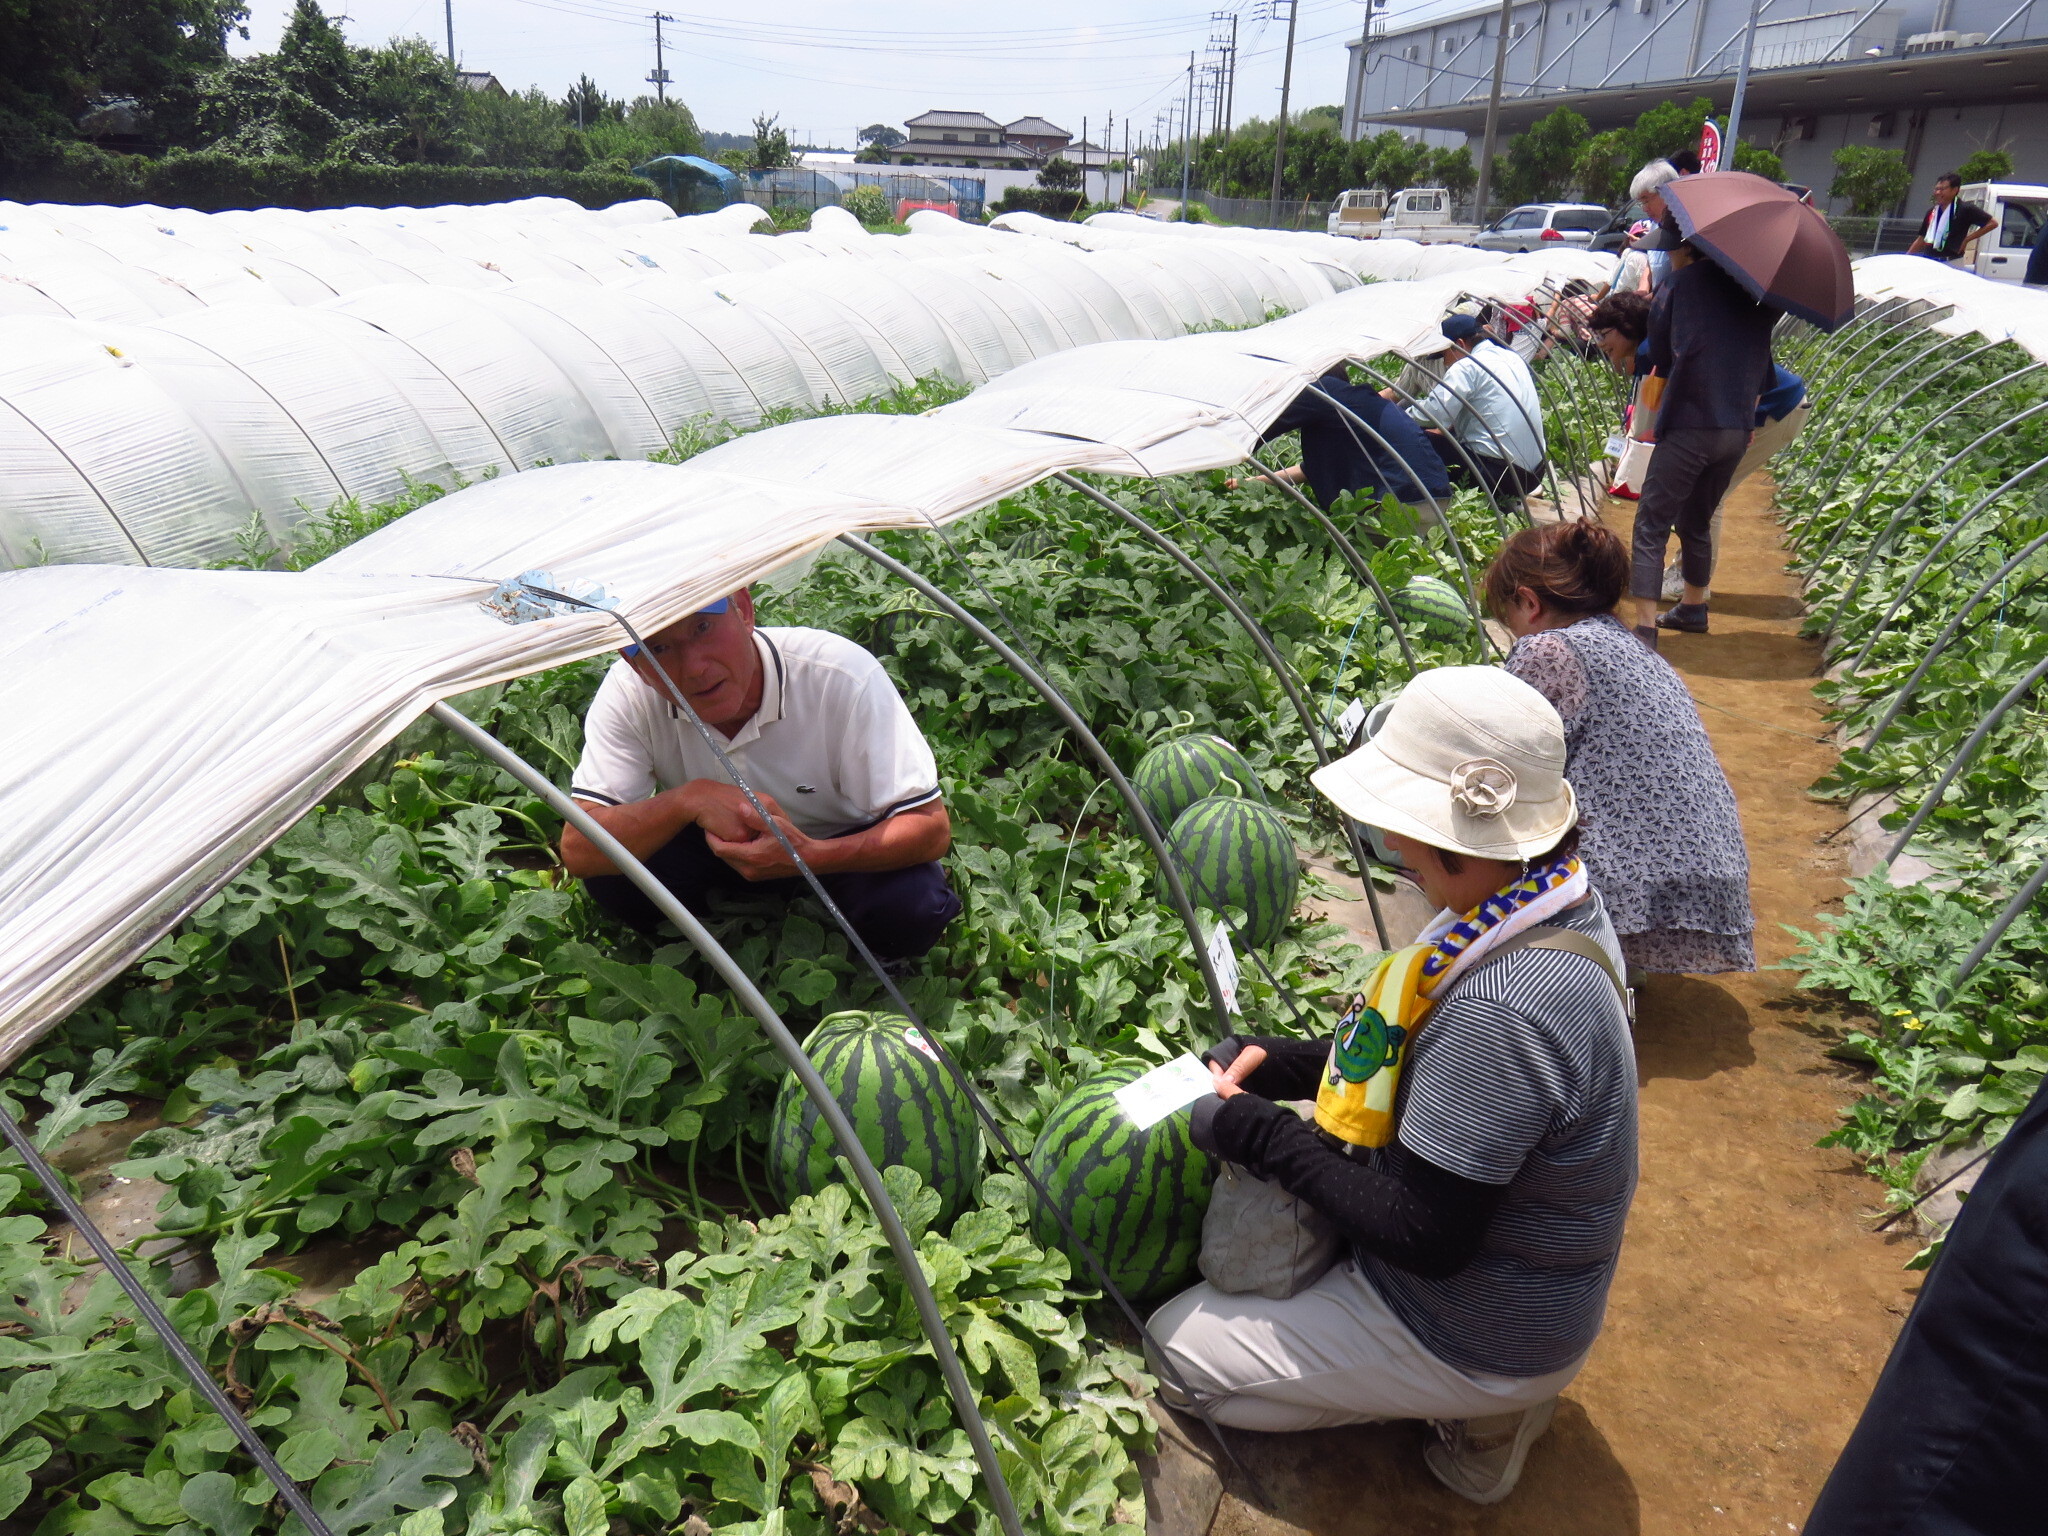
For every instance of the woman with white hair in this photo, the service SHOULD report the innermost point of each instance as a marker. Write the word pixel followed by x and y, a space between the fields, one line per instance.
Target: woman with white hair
pixel 1474 1133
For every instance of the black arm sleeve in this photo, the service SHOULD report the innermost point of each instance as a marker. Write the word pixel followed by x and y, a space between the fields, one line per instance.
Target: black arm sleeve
pixel 1398 1207
pixel 1292 1068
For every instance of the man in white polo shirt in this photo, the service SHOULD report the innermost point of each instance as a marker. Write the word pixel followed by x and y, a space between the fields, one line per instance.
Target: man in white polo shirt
pixel 1488 402
pixel 816 728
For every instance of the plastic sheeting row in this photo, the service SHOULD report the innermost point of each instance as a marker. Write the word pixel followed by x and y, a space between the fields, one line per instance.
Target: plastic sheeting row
pixel 164 726
pixel 1979 306
pixel 159 443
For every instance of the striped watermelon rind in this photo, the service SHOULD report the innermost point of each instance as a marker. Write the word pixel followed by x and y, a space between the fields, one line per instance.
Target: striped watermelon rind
pixel 1175 774
pixel 905 1107
pixel 1239 853
pixel 1434 604
pixel 1136 1198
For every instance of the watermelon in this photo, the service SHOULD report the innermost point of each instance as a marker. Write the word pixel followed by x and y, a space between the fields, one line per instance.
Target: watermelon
pixel 1239 853
pixel 1175 774
pixel 1435 606
pixel 905 1107
pixel 1135 1197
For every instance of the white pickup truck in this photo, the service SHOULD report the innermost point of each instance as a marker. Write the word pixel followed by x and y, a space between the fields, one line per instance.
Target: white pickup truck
pixel 1420 213
pixel 2020 210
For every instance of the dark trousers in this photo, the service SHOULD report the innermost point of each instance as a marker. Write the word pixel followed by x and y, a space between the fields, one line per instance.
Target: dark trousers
pixel 1503 477
pixel 900 913
pixel 1689 474
pixel 1955 1434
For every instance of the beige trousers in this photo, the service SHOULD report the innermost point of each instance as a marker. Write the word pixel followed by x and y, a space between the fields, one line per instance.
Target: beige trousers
pixel 1770 439
pixel 1335 1354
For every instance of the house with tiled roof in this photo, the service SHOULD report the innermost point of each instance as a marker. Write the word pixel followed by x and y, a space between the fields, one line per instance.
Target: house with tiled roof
pixel 946 136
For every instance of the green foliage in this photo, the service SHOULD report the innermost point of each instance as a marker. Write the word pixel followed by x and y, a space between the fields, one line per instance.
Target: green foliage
pixel 879 136
pixel 1944 1068
pixel 1054 205
pixel 868 204
pixel 635 134
pixel 772 150
pixel 1541 163
pixel 1059 174
pixel 1871 179
pixel 1608 161
pixel 402 1043
pixel 1757 160
pixel 1985 165
pixel 586 105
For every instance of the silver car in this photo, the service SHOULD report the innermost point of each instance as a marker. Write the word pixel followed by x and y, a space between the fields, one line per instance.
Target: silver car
pixel 1534 225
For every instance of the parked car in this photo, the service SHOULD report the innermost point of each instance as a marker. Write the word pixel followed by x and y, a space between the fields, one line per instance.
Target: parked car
pixel 1613 235
pixel 1534 225
pixel 1358 212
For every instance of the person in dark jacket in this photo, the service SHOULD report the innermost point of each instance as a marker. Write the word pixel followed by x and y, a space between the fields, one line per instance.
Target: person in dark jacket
pixel 1386 456
pixel 1710 361
pixel 2037 261
pixel 1955 1434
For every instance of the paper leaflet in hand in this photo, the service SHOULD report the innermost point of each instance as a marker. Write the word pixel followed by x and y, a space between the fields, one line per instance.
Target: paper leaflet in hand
pixel 1151 1098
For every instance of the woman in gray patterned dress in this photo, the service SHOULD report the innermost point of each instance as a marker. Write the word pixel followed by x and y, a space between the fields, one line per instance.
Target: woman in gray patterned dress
pixel 1659 830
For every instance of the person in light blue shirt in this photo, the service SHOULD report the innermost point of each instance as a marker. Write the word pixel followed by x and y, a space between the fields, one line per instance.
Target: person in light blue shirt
pixel 1488 403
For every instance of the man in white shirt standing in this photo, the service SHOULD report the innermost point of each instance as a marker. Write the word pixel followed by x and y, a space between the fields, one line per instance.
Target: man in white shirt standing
pixel 817 730
pixel 1488 402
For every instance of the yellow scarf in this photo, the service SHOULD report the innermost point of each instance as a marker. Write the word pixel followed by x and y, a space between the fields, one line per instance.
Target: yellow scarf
pixel 1355 1102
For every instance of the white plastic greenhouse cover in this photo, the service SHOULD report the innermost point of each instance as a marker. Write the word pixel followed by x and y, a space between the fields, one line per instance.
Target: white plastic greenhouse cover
pixel 164 383
pixel 163 727
pixel 1993 310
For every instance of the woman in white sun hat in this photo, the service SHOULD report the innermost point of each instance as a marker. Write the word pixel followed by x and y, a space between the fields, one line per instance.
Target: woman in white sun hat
pixel 1474 1135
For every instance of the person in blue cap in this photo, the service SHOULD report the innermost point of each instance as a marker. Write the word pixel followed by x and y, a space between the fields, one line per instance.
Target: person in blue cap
pixel 818 731
pixel 1353 440
pixel 1487 403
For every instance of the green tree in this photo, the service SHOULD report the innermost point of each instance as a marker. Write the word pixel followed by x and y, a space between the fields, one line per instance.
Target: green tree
pixel 772 150
pixel 315 61
pixel 869 204
pixel 1985 165
pixel 1059 174
pixel 1453 169
pixel 1388 161
pixel 523 130
pixel 1666 129
pixel 1605 164
pixel 1758 161
pixel 1871 179
pixel 879 136
pixel 409 85
pixel 58 56
pixel 1542 162
pixel 586 106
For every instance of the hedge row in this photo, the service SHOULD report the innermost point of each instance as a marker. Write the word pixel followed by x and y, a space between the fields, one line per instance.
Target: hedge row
pixel 1041 200
pixel 71 173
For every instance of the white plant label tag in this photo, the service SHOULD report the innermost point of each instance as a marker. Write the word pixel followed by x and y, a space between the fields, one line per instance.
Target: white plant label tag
pixel 1151 1098
pixel 1224 958
pixel 1615 443
pixel 1352 718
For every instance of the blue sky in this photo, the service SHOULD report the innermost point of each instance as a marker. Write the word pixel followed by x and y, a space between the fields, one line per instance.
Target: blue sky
pixel 827 69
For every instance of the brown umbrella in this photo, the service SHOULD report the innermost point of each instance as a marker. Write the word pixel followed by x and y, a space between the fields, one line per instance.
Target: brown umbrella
pixel 1764 237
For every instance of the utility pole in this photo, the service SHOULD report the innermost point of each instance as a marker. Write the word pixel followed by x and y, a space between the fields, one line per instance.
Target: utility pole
pixel 1727 160
pixel 1124 183
pixel 1286 85
pixel 448 12
pixel 659 79
pixel 1230 80
pixel 1187 149
pixel 1500 65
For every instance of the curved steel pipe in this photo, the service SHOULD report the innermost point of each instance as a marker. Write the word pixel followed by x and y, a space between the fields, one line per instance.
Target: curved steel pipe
pixel 1898 519
pixel 864 1171
pixel 2025 898
pixel 1176 890
pixel 1310 724
pixel 1829 442
pixel 1357 423
pixel 1963 755
pixel 1954 530
pixel 1827 408
pixel 1948 633
pixel 1471 460
pixel 1352 558
pixel 1926 428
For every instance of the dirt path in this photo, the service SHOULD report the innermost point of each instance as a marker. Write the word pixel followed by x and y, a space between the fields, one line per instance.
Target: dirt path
pixel 1753 1307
